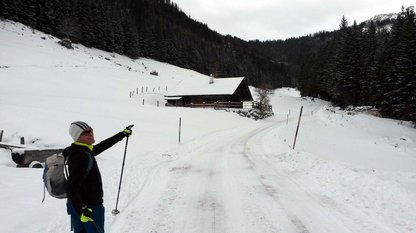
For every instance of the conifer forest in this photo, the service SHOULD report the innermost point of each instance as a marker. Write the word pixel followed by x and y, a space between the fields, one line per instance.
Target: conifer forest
pixel 368 64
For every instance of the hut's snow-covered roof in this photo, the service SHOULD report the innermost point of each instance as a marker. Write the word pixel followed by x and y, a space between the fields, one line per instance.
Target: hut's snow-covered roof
pixel 201 86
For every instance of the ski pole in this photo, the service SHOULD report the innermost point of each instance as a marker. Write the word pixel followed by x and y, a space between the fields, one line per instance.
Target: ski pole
pixel 116 211
pixel 97 227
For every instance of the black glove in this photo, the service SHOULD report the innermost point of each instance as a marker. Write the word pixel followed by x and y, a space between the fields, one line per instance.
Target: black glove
pixel 86 215
pixel 127 131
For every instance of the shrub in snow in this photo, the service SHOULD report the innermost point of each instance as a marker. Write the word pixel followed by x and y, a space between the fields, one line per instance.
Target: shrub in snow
pixel 253 113
pixel 66 42
pixel 371 110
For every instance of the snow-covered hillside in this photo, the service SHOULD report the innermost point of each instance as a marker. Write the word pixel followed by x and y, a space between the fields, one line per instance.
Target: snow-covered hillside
pixel 384 21
pixel 347 173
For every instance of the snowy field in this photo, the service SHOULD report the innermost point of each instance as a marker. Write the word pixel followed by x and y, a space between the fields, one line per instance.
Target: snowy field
pixel 347 173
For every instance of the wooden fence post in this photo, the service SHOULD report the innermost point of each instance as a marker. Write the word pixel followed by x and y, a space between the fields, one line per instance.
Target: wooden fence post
pixel 297 128
pixel 143 102
pixel 1 135
pixel 22 140
pixel 180 125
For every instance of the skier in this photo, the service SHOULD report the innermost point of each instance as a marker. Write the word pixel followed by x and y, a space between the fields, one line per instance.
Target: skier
pixel 85 189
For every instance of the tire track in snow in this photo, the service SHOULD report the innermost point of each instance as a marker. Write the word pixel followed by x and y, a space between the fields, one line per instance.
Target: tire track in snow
pixel 308 209
pixel 127 211
pixel 284 217
pixel 196 182
pixel 161 203
pixel 278 185
pixel 249 211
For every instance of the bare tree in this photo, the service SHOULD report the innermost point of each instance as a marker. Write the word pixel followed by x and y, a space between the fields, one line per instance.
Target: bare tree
pixel 263 100
pixel 69 26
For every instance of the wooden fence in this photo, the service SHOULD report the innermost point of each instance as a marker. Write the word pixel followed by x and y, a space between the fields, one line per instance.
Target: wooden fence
pixel 223 105
pixel 216 105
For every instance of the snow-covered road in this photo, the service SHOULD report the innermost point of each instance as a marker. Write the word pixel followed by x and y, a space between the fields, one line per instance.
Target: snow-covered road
pixel 230 181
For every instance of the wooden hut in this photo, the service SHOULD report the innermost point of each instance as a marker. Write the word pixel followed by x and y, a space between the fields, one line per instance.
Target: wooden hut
pixel 210 92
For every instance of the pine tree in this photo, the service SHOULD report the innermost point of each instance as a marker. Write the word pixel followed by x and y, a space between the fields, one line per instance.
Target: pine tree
pixel 398 76
pixel 131 42
pixel 46 16
pixel 86 20
pixel 369 65
pixel 412 69
pixel 99 24
pixel 1 8
pixel 406 68
pixel 355 77
pixel 384 58
pixel 29 16
pixel 67 20
pixel 341 65
pixel 12 9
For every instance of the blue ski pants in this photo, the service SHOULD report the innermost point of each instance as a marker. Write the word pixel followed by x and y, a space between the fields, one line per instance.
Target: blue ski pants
pixel 89 227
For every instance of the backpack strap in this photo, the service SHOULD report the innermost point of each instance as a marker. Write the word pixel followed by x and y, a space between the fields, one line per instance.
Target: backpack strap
pixel 65 168
pixel 44 191
pixel 89 167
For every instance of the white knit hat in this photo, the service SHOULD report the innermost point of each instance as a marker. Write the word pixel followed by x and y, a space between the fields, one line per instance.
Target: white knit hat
pixel 76 128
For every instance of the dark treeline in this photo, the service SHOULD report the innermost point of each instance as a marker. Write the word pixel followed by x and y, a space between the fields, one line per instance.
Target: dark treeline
pixel 156 29
pixel 293 51
pixel 366 65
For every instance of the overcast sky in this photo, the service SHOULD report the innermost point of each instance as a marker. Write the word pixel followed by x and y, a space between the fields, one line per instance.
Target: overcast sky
pixel 282 19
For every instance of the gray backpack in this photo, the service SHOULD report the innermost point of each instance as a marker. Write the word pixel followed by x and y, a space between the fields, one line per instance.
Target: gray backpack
pixel 55 175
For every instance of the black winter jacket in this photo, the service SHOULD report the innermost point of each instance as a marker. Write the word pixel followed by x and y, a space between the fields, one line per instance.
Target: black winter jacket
pixel 86 188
